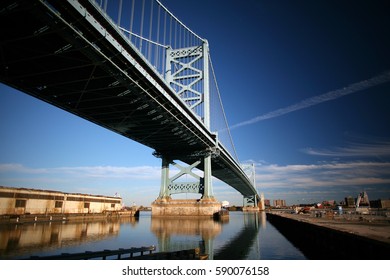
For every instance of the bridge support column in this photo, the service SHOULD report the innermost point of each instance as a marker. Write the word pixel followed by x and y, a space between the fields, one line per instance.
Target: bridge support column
pixel 208 186
pixel 164 193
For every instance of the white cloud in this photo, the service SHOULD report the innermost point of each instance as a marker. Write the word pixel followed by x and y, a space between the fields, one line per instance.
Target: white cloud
pixel 322 175
pixel 140 172
pixel 327 180
pixel 146 172
pixel 370 149
pixel 19 168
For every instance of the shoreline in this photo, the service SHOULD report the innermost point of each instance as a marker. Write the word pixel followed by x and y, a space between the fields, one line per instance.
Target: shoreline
pixel 335 237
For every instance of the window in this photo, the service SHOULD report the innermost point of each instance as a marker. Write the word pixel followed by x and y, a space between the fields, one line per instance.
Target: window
pixel 112 205
pixel 20 203
pixel 58 204
pixel 86 205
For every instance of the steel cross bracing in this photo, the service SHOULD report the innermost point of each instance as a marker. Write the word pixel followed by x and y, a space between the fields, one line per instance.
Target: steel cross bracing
pixel 69 54
pixel 185 76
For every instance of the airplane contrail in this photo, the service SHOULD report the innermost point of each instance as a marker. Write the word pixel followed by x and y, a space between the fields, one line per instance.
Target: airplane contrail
pixel 377 80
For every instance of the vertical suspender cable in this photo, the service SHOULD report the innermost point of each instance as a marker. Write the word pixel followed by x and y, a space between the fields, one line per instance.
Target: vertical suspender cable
pixel 164 43
pixel 156 53
pixel 119 12
pixel 150 30
pixel 175 35
pixel 176 19
pixel 165 28
pixel 131 19
pixel 170 32
pixel 180 42
pixel 105 6
pixel 142 24
pixel 223 110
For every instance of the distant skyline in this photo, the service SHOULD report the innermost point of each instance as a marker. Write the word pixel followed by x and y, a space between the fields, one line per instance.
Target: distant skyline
pixel 305 87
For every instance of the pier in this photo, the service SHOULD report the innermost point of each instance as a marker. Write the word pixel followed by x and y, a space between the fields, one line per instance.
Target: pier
pixel 142 253
pixel 105 254
pixel 336 237
pixel 185 207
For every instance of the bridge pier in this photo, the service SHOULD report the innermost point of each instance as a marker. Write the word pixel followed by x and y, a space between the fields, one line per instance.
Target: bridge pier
pixel 250 204
pixel 207 205
pixel 253 203
pixel 185 207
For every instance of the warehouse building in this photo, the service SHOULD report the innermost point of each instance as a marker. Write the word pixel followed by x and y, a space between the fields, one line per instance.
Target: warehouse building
pixel 21 201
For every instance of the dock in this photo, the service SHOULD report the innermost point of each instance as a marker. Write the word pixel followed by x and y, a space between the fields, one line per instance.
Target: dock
pixel 103 255
pixel 222 214
pixel 142 253
pixel 335 237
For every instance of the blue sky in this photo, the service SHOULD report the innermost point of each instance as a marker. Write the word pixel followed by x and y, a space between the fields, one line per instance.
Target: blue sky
pixel 305 87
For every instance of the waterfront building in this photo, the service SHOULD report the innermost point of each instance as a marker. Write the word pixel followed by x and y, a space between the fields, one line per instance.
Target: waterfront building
pixel 21 201
pixel 279 203
pixel 350 201
pixel 362 200
pixel 380 203
pixel 329 203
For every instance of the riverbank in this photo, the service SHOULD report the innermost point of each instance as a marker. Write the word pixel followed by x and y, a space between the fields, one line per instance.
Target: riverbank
pixel 336 237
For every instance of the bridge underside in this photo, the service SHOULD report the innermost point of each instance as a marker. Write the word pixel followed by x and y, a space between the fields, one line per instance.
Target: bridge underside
pixel 87 68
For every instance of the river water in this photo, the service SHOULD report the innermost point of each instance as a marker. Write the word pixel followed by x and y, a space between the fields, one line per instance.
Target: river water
pixel 243 236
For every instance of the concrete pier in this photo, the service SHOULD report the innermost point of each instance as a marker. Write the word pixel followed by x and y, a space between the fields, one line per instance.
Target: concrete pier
pixel 250 209
pixel 185 207
pixel 335 238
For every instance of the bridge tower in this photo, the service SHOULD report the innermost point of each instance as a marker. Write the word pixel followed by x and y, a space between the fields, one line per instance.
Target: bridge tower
pixel 187 72
pixel 252 202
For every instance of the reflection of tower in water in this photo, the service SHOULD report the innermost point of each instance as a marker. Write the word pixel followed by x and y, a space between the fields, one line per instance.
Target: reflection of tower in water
pixel 246 241
pixel 177 233
pixel 256 221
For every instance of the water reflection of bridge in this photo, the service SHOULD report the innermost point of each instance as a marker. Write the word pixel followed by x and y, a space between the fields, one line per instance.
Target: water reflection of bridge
pixel 204 230
pixel 174 234
pixel 238 248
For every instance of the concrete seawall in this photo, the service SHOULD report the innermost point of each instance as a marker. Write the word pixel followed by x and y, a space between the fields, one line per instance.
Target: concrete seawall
pixel 335 239
pixel 21 219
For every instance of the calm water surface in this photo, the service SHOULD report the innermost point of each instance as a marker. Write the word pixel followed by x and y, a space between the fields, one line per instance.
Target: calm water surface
pixel 242 236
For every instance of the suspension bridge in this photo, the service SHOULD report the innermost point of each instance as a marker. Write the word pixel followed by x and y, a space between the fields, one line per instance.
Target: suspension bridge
pixel 135 69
